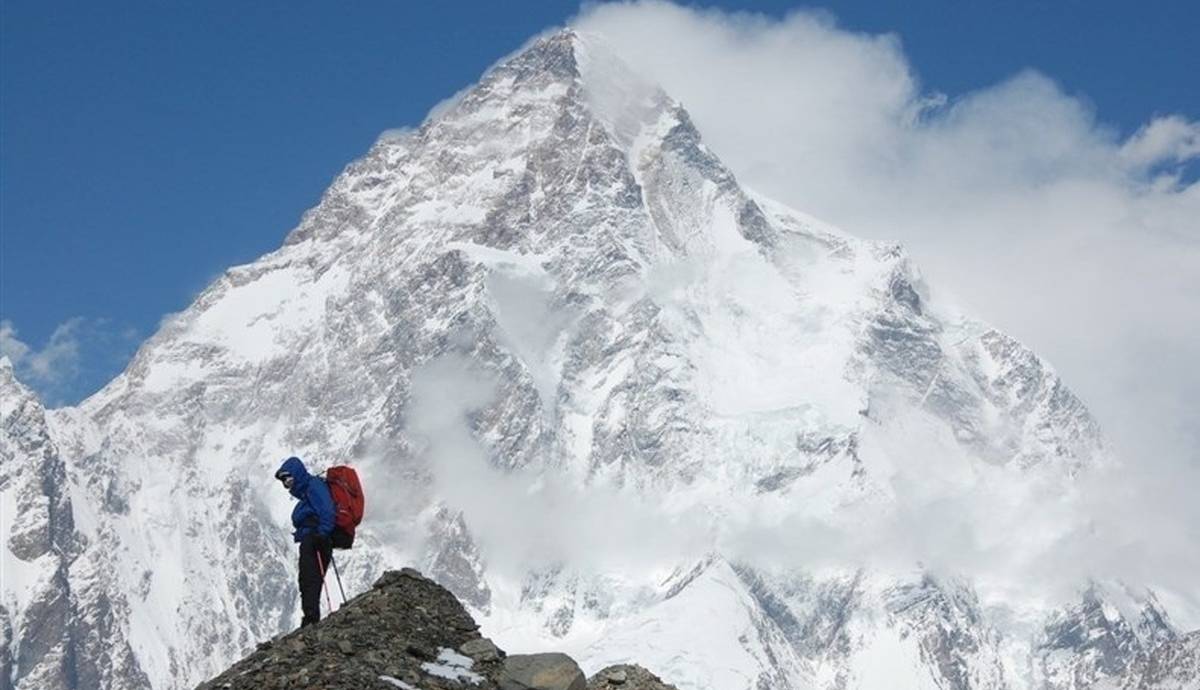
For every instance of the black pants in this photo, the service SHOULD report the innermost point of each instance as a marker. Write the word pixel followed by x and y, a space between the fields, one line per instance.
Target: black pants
pixel 311 577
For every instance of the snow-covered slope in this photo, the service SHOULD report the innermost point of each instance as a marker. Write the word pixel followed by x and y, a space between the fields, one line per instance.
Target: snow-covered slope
pixel 62 616
pixel 544 318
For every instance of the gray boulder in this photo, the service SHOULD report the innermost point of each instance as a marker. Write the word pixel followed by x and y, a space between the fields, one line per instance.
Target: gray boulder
pixel 481 649
pixel 550 671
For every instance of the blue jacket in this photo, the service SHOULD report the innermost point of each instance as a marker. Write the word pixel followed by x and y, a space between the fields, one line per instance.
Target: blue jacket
pixel 314 512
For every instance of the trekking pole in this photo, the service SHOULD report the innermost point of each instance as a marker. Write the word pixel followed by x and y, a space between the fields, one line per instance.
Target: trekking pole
pixel 333 562
pixel 321 567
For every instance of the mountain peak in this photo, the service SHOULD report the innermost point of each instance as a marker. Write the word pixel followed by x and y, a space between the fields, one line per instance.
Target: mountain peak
pixel 590 71
pixel 630 319
pixel 553 53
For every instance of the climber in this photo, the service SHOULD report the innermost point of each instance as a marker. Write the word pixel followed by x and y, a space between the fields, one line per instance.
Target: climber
pixel 313 518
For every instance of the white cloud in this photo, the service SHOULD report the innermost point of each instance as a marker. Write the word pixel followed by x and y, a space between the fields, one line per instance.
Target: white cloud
pixel 10 345
pixel 80 354
pixel 395 135
pixel 1171 139
pixel 55 363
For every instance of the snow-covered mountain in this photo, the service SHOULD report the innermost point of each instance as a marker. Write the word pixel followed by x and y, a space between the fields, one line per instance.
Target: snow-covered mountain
pixel 592 384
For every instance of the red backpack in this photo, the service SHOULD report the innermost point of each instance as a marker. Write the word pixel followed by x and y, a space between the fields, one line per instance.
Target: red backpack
pixel 348 499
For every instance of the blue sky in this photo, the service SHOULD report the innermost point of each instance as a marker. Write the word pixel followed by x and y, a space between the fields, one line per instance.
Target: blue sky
pixel 147 146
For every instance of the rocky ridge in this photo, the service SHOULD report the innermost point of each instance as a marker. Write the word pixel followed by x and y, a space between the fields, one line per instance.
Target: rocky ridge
pixel 411 633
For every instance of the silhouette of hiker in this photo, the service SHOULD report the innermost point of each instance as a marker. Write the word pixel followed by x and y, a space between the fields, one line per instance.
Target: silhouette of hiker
pixel 313 521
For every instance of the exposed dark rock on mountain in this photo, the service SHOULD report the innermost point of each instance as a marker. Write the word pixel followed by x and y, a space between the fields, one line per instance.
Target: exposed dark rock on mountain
pixel 627 677
pixel 406 628
pixel 408 632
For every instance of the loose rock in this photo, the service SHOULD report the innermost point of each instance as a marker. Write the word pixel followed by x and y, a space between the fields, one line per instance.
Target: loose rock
pixel 481 649
pixel 627 677
pixel 549 671
pixel 420 652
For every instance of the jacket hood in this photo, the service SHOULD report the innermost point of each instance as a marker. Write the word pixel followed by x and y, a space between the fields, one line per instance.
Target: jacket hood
pixel 296 468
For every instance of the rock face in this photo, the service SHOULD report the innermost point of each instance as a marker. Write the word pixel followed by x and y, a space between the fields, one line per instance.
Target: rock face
pixel 632 323
pixel 1094 645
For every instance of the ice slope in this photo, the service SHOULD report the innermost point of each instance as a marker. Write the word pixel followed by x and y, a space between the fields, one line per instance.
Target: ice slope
pixel 544 325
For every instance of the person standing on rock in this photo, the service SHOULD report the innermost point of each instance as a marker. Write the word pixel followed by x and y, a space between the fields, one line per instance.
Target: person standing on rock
pixel 313 520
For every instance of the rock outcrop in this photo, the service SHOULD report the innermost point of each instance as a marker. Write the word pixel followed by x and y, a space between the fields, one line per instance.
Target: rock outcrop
pixel 627 677
pixel 409 632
